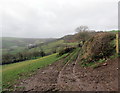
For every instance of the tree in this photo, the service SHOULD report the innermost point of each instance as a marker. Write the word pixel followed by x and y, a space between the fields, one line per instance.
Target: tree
pixel 82 34
pixel 42 53
pixel 82 29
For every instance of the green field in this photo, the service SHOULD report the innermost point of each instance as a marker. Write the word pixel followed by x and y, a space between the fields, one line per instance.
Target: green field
pixel 115 31
pixel 16 45
pixel 13 45
pixel 8 42
pixel 12 72
pixel 56 45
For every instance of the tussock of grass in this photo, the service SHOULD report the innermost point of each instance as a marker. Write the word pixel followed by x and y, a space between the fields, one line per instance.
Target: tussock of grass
pixel 69 57
pixel 74 57
pixel 93 64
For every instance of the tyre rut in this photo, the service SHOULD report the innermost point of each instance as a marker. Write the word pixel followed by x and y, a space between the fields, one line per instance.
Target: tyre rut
pixel 67 81
pixel 45 79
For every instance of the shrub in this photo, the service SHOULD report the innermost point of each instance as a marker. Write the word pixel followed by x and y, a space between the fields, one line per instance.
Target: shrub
pixel 66 50
pixel 98 47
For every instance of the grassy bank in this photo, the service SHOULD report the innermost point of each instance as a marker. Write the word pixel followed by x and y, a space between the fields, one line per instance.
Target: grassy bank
pixel 15 71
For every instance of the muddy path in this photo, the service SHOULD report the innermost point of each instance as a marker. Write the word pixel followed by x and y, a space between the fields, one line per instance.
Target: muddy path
pixel 66 79
pixel 72 77
pixel 44 80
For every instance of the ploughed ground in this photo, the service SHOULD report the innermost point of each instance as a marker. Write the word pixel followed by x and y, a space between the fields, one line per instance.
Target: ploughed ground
pixel 70 76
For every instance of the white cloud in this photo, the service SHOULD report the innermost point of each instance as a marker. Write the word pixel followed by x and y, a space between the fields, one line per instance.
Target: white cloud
pixel 55 18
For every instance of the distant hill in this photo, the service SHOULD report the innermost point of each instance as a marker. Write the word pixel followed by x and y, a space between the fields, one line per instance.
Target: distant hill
pixel 9 42
pixel 56 45
pixel 69 38
pixel 14 45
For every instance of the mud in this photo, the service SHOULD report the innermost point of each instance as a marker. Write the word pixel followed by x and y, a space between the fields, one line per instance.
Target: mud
pixel 72 77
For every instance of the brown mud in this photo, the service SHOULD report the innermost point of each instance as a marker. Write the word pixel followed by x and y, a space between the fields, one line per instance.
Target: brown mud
pixel 72 77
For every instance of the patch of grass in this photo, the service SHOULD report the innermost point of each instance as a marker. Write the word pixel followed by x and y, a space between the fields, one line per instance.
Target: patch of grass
pixel 67 58
pixel 74 57
pixel 15 71
pixel 113 56
pixel 93 64
pixel 96 65
pixel 115 31
pixel 72 44
pixel 60 57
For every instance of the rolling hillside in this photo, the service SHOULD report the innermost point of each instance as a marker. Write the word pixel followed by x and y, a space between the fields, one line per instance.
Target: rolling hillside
pixel 84 68
pixel 14 45
pixel 8 42
pixel 32 51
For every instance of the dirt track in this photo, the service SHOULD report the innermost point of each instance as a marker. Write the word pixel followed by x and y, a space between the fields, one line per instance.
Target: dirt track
pixel 72 77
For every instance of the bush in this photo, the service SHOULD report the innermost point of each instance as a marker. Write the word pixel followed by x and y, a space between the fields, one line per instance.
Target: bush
pixel 21 56
pixel 99 46
pixel 84 36
pixel 66 50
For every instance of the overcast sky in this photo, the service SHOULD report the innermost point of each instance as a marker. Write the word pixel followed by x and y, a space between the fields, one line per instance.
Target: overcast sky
pixel 55 18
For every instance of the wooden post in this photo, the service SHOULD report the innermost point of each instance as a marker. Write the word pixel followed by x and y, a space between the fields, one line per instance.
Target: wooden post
pixel 117 45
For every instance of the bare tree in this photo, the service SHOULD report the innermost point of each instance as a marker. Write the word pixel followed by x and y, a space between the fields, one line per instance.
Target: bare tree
pixel 82 34
pixel 82 29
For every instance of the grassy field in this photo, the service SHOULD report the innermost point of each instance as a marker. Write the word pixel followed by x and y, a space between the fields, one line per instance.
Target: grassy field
pixel 115 31
pixel 14 45
pixel 12 72
pixel 9 42
pixel 20 43
pixel 56 45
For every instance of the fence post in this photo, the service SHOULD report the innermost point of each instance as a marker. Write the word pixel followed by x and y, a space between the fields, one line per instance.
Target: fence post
pixel 117 45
